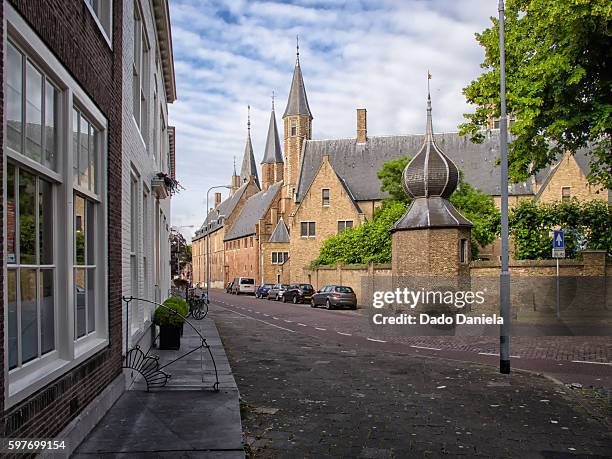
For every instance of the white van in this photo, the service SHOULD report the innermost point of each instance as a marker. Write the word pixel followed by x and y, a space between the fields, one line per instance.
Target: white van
pixel 244 285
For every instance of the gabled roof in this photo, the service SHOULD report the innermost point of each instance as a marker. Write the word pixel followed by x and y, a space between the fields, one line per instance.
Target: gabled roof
pixel 358 164
pixel 298 102
pixel 249 167
pixel 280 233
pixel 224 210
pixel 272 153
pixel 254 209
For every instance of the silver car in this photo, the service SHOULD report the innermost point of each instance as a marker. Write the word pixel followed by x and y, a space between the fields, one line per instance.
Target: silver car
pixel 276 292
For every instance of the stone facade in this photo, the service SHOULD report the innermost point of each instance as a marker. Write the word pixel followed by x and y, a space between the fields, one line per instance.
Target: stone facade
pixel 567 180
pixel 273 271
pixel 325 215
pixel 431 251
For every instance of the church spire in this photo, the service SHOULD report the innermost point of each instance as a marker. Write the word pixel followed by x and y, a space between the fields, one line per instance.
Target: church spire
pixel 298 102
pixel 249 167
pixel 272 152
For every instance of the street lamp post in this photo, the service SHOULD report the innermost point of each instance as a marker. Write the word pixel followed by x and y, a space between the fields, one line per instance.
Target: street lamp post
pixel 208 241
pixel 504 278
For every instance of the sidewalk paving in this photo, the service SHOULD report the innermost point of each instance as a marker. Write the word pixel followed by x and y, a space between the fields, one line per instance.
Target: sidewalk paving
pixel 186 418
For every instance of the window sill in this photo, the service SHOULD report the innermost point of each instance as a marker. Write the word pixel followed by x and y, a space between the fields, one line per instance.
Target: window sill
pixel 23 386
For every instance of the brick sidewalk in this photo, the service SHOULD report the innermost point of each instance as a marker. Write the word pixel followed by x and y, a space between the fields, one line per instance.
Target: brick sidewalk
pixel 586 348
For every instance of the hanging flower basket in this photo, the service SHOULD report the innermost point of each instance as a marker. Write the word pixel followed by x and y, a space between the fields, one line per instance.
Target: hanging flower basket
pixel 164 185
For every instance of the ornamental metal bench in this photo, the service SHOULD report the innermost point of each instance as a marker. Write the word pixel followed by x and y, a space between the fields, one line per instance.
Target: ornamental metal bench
pixel 148 365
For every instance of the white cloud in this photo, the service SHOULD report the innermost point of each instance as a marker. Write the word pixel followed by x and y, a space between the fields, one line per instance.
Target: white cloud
pixel 372 54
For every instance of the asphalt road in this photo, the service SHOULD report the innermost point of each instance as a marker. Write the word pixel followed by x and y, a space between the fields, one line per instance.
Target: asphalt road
pixel 584 360
pixel 316 386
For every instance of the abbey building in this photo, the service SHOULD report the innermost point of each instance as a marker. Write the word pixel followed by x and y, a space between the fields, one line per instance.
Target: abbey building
pixel 271 229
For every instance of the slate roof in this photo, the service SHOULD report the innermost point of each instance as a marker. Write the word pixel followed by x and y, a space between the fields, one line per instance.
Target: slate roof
pixel 254 209
pixel 431 212
pixel 280 233
pixel 225 208
pixel 272 153
pixel 298 102
pixel 358 164
pixel 249 167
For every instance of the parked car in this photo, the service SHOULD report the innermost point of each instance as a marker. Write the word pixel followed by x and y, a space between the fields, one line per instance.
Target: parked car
pixel 243 285
pixel 298 293
pixel 333 296
pixel 276 292
pixel 228 287
pixel 262 291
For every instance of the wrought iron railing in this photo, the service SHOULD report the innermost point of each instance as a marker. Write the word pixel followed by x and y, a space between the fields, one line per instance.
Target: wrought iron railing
pixel 148 365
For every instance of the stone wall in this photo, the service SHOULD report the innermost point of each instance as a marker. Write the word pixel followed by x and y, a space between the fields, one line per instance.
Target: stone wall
pixel 585 284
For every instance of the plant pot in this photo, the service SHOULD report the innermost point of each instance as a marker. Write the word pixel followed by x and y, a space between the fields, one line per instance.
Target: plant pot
pixel 169 338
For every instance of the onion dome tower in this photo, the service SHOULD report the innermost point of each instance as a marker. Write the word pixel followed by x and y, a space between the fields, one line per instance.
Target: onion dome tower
pixel 432 237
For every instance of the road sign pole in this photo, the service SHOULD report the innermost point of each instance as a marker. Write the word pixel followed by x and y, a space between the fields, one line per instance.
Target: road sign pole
pixel 558 292
pixel 504 278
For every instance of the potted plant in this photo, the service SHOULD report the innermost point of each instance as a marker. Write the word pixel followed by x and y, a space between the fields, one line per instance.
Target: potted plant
pixel 181 307
pixel 170 319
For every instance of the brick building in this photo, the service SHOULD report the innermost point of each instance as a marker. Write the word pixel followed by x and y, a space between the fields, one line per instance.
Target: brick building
pixel 330 185
pixel 148 150
pixel 74 136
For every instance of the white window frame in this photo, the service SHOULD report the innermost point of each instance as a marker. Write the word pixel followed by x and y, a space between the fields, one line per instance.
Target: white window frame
pixel 23 381
pixel 107 34
pixel 344 222
pixel 323 190
pixel 141 68
pixel 308 235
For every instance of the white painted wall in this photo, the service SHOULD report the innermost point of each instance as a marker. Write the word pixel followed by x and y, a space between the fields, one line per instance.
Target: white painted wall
pixel 138 160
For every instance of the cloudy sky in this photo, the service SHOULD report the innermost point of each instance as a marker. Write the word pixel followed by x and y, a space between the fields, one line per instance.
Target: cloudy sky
pixel 369 53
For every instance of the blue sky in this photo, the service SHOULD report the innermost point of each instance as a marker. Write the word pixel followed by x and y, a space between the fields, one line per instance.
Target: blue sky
pixel 372 54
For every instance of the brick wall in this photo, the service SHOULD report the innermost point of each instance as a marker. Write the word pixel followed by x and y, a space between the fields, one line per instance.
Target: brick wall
pixel 270 271
pixel 306 249
pixel 242 257
pixel 2 205
pixel 70 31
pixel 431 251
pixel 585 285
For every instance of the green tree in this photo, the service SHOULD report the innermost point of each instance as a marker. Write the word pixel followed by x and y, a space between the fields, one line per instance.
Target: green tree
pixel 371 241
pixel 391 178
pixel 586 224
pixel 479 208
pixel 559 84
pixel 368 242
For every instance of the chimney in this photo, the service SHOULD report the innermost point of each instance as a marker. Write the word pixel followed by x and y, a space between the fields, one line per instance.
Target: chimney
pixel 217 199
pixel 362 125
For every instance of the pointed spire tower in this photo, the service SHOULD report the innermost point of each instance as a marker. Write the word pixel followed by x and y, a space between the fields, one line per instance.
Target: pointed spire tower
pixel 272 163
pixel 297 121
pixel 431 225
pixel 249 167
pixel 235 179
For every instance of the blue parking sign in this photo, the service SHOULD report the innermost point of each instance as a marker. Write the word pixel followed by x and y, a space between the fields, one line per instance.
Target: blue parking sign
pixel 558 239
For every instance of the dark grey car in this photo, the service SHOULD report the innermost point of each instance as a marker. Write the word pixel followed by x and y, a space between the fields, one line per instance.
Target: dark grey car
pixel 335 296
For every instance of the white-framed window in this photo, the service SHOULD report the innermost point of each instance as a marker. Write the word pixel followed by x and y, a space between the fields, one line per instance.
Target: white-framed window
pixel 278 258
pixel 463 251
pixel 55 195
pixel 344 224
pixel 102 11
pixel 146 234
pixel 566 194
pixel 134 218
pixel 325 197
pixel 140 68
pixel 307 229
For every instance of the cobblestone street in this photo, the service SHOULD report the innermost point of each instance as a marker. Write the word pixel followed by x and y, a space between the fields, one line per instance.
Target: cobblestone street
pixel 309 397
